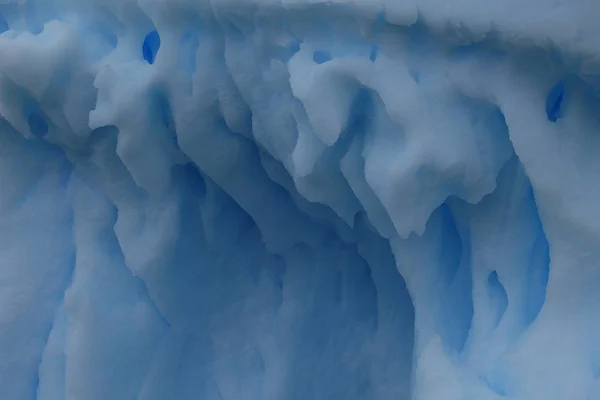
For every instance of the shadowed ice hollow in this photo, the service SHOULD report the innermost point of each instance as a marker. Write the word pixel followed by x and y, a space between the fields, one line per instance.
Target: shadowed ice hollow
pixel 299 200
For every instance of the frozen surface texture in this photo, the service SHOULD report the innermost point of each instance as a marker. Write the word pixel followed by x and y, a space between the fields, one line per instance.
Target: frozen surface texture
pixel 299 200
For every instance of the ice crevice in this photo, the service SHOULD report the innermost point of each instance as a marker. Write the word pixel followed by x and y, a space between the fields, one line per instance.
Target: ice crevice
pixel 299 200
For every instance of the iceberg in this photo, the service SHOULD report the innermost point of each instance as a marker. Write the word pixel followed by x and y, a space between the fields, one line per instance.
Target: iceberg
pixel 299 199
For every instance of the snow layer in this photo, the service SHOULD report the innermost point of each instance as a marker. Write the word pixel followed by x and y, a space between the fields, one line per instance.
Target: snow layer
pixel 386 199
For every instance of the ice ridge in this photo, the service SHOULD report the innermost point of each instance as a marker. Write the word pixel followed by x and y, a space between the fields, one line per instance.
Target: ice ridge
pixel 293 199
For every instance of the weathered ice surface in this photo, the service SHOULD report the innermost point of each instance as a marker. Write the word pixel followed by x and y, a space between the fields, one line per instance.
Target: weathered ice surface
pixel 299 199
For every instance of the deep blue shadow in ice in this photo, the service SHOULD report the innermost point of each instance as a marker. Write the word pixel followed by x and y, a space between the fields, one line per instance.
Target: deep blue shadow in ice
pixel 361 111
pixel 150 46
pixel 554 102
pixel 497 295
pixel 3 25
pixel 321 56
pixel 456 303
pixel 36 121
pixel 538 272
pixel 374 52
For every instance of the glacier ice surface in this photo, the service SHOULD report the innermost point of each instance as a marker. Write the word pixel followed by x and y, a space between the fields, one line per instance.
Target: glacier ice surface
pixel 293 199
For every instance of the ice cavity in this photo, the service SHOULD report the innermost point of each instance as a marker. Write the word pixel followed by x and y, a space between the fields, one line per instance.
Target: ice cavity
pixel 299 200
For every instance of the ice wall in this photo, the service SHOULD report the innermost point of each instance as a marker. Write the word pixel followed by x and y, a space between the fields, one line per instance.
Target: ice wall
pixel 293 200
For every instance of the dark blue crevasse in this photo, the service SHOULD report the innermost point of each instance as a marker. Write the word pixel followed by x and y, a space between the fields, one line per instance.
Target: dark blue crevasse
pixel 294 47
pixel 321 56
pixel 555 101
pixel 451 246
pixel 284 53
pixel 377 28
pixel 37 124
pixel 150 46
pixel 538 273
pixel 163 110
pixel 379 22
pixel 3 25
pixel 361 111
pixel 498 296
pixel 374 52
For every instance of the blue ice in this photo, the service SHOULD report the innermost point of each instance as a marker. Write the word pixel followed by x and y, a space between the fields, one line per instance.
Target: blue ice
pixel 324 200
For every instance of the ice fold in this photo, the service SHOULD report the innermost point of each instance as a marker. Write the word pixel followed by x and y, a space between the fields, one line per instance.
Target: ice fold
pixel 299 199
